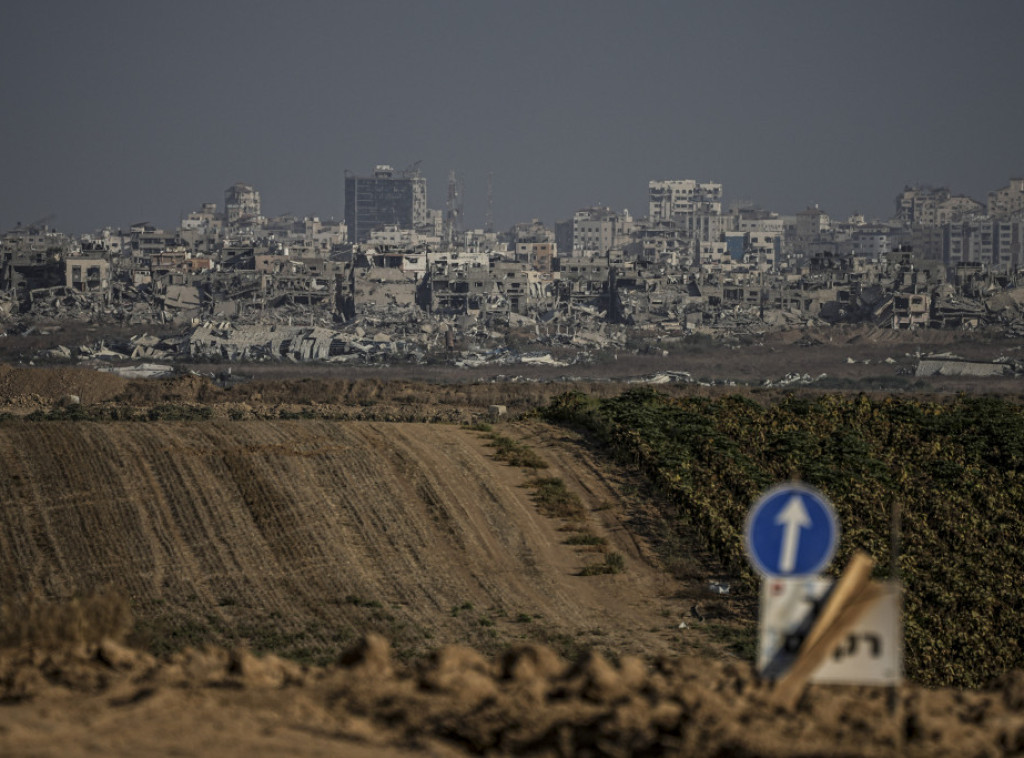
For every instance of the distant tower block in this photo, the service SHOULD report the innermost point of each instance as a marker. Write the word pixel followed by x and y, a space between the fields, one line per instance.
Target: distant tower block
pixel 389 197
pixel 241 203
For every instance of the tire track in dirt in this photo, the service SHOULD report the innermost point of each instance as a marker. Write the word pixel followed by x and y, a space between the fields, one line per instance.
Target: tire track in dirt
pixel 615 509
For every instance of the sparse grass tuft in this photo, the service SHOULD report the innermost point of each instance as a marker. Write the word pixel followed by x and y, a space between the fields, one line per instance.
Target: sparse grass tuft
pixel 588 539
pixel 177 412
pixel 361 602
pixel 613 564
pixel 515 453
pixel 551 494
pixel 741 640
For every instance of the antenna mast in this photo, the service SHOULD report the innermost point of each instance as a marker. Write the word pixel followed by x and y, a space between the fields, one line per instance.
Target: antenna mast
pixel 489 218
pixel 453 216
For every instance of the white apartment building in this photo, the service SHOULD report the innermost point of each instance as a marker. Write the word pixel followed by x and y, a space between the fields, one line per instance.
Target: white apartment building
pixel 205 219
pixel 918 206
pixel 539 255
pixel 762 248
pixel 1007 201
pixel 682 199
pixel 998 243
pixel 115 242
pixel 954 208
pixel 479 241
pixel 326 234
pixel 812 223
pixel 759 223
pixel 1009 244
pixel 597 230
pixel 871 243
pixel 394 236
pixel 966 243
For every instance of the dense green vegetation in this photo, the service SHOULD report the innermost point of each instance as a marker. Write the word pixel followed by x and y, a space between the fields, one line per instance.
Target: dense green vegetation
pixel 954 470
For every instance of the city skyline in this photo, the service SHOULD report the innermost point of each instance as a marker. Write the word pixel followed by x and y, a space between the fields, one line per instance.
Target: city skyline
pixel 119 113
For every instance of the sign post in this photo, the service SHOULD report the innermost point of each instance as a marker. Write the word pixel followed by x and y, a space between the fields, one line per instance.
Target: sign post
pixel 791 531
pixel 869 652
pixel 814 629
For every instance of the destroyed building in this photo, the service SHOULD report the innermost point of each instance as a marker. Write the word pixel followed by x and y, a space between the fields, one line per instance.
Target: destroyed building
pixel 240 285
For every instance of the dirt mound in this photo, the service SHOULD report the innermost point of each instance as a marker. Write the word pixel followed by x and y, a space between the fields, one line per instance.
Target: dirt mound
pixel 107 699
pixel 38 386
pixel 189 388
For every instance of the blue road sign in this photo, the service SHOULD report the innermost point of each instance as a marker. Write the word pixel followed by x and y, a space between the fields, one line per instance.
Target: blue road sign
pixel 791 531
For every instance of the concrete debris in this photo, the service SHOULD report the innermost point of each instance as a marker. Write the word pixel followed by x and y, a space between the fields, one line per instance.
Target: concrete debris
pixel 58 353
pixel 260 299
pixel 664 377
pixel 954 367
pixel 141 371
pixel 541 360
pixel 793 379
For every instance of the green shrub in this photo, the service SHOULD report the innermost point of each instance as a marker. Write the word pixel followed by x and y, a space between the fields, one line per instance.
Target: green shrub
pixel 954 469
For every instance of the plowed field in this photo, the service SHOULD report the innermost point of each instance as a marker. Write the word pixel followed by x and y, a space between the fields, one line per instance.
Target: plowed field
pixel 300 536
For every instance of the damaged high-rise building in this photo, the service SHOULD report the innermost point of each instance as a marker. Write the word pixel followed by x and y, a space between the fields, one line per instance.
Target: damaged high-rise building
pixel 242 204
pixel 388 198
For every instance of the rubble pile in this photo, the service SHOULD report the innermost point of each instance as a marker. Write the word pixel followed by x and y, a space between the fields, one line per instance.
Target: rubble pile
pixel 244 298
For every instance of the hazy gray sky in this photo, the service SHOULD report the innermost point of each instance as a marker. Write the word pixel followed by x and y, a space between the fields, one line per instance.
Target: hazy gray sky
pixel 117 112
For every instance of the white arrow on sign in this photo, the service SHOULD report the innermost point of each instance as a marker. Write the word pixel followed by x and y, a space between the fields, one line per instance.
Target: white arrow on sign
pixel 794 517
